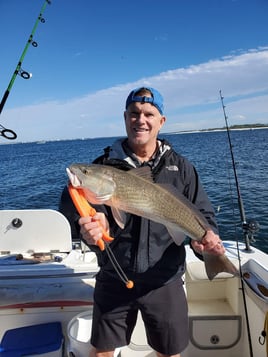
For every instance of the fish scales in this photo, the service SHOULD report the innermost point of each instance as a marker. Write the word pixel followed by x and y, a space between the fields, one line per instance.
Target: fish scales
pixel 139 196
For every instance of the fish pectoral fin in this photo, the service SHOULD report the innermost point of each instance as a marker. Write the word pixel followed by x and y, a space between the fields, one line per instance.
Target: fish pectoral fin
pixel 216 264
pixel 177 235
pixel 119 217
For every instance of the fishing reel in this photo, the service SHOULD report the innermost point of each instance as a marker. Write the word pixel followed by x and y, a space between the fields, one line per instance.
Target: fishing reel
pixel 250 229
pixel 251 226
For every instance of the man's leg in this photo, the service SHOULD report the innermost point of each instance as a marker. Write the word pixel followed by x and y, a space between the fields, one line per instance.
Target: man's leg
pixel 165 315
pixel 93 353
pixel 161 355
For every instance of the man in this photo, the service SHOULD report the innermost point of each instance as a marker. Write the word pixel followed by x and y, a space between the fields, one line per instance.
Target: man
pixel 144 249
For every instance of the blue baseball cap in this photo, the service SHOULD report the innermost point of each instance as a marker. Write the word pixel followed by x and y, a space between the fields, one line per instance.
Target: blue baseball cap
pixel 156 99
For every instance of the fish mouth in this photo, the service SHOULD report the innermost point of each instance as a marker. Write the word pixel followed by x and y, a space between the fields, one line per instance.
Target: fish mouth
pixel 73 178
pixel 96 196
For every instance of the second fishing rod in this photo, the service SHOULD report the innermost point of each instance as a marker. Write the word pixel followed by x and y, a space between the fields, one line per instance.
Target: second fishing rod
pixel 8 133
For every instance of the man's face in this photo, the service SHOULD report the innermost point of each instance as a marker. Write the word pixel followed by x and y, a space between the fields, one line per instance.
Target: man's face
pixel 143 122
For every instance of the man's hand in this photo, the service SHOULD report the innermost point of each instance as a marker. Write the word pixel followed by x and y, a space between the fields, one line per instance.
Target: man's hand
pixel 210 243
pixel 92 227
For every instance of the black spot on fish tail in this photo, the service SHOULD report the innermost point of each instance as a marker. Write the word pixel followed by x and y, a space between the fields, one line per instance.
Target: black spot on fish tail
pixel 216 264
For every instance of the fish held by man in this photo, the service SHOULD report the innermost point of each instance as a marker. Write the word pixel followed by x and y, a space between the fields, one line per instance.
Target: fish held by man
pixel 135 192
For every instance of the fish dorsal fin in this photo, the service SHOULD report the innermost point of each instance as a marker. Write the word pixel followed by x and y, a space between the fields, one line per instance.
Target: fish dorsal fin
pixel 144 172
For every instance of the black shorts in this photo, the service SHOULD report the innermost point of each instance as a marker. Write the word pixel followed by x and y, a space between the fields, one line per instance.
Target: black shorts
pixel 164 311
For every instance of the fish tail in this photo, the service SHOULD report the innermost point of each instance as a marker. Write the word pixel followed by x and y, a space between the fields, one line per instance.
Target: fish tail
pixel 216 264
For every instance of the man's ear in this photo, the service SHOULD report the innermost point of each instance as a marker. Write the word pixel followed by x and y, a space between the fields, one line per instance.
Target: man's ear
pixel 163 120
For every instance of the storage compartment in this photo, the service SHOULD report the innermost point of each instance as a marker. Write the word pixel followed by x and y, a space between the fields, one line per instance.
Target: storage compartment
pixel 213 333
pixel 214 313
pixel 44 340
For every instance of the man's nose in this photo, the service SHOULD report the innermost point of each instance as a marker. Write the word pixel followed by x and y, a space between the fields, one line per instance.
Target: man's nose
pixel 141 117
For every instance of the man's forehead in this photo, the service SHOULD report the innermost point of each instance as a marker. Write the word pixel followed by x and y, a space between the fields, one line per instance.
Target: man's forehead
pixel 142 106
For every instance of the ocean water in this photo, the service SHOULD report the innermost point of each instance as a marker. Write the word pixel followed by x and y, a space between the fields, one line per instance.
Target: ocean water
pixel 33 174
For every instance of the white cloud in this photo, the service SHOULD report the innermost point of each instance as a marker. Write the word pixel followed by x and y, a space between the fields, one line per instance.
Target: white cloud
pixel 191 101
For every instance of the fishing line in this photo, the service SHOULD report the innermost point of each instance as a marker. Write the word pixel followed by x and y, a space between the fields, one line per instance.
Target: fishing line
pixel 120 272
pixel 9 133
pixel 244 225
pixel 85 209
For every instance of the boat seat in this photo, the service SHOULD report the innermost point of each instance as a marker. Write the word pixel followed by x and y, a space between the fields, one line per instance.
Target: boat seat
pixel 34 231
pixel 210 298
pixel 197 271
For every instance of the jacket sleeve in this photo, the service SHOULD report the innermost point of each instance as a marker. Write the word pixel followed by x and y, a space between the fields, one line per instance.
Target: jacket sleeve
pixel 195 192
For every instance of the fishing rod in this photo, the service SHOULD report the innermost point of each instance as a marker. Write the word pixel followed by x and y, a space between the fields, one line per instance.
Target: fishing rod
pixel 8 133
pixel 249 227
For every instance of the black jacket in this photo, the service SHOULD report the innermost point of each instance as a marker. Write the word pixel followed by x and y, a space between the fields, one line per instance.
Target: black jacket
pixel 144 248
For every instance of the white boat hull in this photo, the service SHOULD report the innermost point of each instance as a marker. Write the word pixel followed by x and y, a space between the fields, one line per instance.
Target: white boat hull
pixel 60 290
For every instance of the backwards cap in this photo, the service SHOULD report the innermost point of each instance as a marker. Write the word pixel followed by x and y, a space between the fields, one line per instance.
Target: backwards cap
pixel 156 99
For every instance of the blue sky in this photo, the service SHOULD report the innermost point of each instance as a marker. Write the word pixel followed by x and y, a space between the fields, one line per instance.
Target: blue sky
pixel 90 54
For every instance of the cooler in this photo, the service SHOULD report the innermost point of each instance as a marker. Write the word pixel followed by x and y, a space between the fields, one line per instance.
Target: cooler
pixel 44 340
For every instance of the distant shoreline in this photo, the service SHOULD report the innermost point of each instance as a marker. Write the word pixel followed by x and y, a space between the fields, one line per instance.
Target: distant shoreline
pixel 233 127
